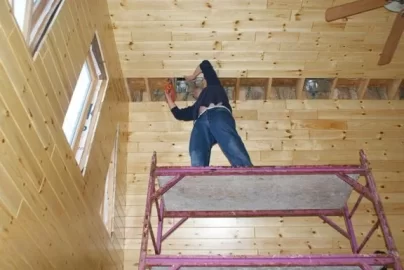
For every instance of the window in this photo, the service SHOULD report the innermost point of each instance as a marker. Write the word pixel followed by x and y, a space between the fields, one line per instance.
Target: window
pixel 83 112
pixel 77 103
pixel 34 17
pixel 108 205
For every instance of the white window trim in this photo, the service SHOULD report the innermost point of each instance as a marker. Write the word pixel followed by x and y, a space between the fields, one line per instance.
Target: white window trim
pixel 77 126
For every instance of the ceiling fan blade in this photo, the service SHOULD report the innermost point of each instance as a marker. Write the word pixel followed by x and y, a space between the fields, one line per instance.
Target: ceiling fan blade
pixel 345 10
pixel 393 39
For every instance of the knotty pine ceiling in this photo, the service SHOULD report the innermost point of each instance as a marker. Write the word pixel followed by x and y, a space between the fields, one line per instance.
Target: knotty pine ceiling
pixel 251 38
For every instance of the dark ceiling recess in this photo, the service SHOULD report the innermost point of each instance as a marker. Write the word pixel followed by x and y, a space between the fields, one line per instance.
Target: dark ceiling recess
pixel 152 89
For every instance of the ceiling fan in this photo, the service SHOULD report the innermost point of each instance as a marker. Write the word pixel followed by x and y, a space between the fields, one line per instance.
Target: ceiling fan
pixel 359 6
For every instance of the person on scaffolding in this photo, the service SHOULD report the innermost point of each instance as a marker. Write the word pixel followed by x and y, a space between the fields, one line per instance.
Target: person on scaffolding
pixel 213 120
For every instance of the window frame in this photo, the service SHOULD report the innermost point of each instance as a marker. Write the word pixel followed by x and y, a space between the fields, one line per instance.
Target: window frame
pixel 37 19
pixel 84 133
pixel 86 107
pixel 107 207
pixel 92 126
pixel 73 138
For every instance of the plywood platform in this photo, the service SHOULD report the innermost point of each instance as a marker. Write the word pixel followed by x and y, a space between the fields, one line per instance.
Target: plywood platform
pixel 249 193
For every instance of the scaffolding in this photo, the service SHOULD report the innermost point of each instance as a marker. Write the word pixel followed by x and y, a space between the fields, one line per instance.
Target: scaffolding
pixel 320 190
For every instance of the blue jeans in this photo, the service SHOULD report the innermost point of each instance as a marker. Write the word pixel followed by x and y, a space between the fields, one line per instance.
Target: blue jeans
pixel 217 125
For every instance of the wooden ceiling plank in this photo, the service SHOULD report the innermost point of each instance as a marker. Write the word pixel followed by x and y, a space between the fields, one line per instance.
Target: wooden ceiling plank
pixel 258 39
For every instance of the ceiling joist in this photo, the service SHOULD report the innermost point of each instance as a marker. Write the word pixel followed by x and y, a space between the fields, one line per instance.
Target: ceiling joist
pixel 240 89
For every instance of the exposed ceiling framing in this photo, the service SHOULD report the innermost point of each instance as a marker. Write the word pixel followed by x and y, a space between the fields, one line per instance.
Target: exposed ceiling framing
pixel 152 89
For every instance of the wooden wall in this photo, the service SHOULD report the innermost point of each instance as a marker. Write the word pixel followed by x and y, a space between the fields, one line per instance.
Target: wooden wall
pixel 281 132
pixel 251 38
pixel 49 212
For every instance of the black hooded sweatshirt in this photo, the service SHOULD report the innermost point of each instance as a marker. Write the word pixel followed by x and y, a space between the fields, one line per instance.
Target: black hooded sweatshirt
pixel 212 93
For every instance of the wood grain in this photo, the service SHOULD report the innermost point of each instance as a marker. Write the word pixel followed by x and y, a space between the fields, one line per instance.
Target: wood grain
pixel 277 132
pixel 49 209
pixel 272 27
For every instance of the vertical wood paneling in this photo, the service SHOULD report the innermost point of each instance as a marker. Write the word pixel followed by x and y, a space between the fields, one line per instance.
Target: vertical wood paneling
pixel 50 211
pixel 54 76
pixel 49 92
pixel 62 59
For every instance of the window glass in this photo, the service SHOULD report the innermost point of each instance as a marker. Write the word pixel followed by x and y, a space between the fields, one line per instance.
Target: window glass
pixel 34 17
pixel 77 102
pixel 19 12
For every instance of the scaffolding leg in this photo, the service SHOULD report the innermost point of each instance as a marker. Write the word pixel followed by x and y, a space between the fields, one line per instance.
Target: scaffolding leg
pixel 160 226
pixel 350 229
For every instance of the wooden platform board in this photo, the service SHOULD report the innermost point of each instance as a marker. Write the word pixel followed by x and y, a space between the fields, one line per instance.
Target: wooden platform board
pixel 272 192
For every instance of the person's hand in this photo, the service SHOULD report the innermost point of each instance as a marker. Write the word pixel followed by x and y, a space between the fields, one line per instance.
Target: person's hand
pixel 168 97
pixel 169 100
pixel 189 78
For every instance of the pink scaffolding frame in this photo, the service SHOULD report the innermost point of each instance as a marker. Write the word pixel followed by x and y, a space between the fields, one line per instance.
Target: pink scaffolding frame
pixel 174 262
